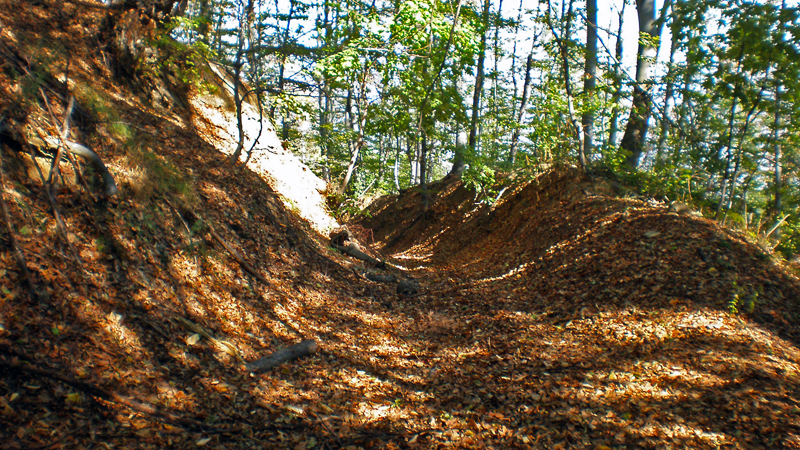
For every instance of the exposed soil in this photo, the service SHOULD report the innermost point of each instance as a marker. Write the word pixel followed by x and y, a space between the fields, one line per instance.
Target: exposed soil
pixel 562 317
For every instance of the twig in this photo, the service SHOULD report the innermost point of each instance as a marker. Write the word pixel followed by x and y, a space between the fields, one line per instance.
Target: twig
pixel 62 228
pixel 63 136
pixel 239 258
pixel 777 224
pixel 245 265
pixel 180 217
pixel 52 177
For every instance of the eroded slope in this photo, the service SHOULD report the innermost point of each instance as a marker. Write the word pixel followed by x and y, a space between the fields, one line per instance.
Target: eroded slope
pixel 603 320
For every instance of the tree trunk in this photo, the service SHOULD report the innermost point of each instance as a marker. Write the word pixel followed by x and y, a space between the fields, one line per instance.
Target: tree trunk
pixel 617 76
pixel 238 98
pixel 635 136
pixel 204 20
pixel 669 92
pixel 778 180
pixel 397 167
pixel 573 120
pixel 523 103
pixel 479 77
pixel 589 80
pixel 459 161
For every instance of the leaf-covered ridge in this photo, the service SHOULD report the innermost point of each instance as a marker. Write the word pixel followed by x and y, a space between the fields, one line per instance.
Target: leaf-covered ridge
pixel 560 317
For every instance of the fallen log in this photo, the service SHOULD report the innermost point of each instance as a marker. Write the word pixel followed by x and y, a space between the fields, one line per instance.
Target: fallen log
pixel 353 250
pixel 304 348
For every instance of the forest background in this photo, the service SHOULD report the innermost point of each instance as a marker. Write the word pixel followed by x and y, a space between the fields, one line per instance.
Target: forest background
pixel 380 96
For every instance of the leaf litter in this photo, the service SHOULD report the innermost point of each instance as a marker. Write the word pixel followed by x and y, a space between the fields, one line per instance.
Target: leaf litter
pixel 561 317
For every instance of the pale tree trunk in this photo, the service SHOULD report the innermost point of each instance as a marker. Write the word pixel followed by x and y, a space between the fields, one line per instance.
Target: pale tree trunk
pixel 669 93
pixel 356 122
pixel 589 80
pixel 778 180
pixel 617 75
pixel 397 166
pixel 573 120
pixel 325 101
pixel 325 112
pixel 776 139
pixel 523 103
pixel 496 79
pixel 238 98
pixel 670 88
pixel 478 91
pixel 729 144
pixel 204 16
pixel 354 146
pixel 633 141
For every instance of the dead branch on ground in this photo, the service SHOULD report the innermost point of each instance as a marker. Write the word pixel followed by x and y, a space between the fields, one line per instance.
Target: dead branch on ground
pixel 307 347
pixel 194 217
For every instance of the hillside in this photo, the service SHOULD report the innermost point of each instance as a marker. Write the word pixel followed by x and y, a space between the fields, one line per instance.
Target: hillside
pixel 591 321
pixel 561 317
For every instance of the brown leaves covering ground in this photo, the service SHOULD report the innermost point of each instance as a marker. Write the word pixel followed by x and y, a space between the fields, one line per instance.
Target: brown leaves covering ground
pixel 562 318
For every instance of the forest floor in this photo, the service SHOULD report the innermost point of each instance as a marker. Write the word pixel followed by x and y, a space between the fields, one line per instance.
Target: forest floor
pixel 564 316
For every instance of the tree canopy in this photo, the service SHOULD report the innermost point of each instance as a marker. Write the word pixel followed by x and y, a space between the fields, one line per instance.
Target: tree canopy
pixel 693 101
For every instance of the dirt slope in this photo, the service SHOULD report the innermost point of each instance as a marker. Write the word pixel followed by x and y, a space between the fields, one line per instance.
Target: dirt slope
pixel 215 118
pixel 557 320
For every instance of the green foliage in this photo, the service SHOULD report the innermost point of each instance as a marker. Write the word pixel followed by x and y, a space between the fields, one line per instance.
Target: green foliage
pixel 175 58
pixel 481 178
pixel 742 298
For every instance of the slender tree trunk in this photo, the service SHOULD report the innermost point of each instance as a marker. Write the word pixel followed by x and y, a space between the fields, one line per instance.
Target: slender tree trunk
pixel 776 142
pixel 617 76
pixel 589 80
pixel 479 75
pixel 355 146
pixel 397 166
pixel 776 135
pixel 726 176
pixel 633 141
pixel 577 129
pixel 669 93
pixel 523 104
pixel 238 98
pixel 323 102
pixel 423 163
pixel 497 51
